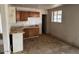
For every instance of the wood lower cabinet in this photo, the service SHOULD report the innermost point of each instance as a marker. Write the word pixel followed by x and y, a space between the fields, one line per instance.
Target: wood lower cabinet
pixel 31 32
pixel 26 33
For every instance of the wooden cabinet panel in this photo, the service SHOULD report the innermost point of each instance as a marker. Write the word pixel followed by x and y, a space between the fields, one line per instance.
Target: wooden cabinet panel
pixel 36 31
pixel 31 32
pixel 23 15
pixel 36 14
pixel 30 14
pixel 26 15
pixel 18 16
pixel 26 33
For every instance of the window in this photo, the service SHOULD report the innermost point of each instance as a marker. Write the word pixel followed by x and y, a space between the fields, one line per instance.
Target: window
pixel 57 16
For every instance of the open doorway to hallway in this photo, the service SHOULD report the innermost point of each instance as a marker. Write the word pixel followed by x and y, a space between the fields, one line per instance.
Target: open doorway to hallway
pixel 44 17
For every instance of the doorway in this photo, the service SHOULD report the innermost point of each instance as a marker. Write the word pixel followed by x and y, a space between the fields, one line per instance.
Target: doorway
pixel 44 18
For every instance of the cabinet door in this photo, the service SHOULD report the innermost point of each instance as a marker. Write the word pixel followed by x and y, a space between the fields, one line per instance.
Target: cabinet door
pixel 26 33
pixel 31 14
pixel 26 16
pixel 33 32
pixel 30 32
pixel 22 16
pixel 36 14
pixel 18 15
pixel 36 31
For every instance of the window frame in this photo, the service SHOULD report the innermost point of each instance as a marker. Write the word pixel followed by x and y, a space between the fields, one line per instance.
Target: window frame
pixel 55 17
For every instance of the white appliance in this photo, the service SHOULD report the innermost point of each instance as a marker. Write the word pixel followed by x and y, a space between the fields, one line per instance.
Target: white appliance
pixel 17 42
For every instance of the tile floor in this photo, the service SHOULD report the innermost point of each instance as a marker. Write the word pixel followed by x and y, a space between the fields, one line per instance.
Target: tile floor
pixel 1 49
pixel 47 45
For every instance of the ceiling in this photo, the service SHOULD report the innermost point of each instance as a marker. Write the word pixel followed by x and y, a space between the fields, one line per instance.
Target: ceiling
pixel 38 6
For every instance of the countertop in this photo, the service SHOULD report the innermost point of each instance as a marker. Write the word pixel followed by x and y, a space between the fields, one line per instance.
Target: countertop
pixel 19 29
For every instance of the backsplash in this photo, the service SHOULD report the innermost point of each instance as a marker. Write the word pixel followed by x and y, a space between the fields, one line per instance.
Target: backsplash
pixel 31 21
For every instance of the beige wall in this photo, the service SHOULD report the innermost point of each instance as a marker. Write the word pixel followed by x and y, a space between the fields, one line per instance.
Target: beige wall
pixel 12 15
pixel 68 30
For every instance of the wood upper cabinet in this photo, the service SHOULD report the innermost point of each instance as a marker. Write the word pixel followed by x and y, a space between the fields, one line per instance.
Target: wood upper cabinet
pixel 34 14
pixel 23 15
pixel 18 16
pixel 26 15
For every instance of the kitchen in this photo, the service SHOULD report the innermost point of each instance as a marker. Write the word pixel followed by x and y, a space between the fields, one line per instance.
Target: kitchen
pixel 25 23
